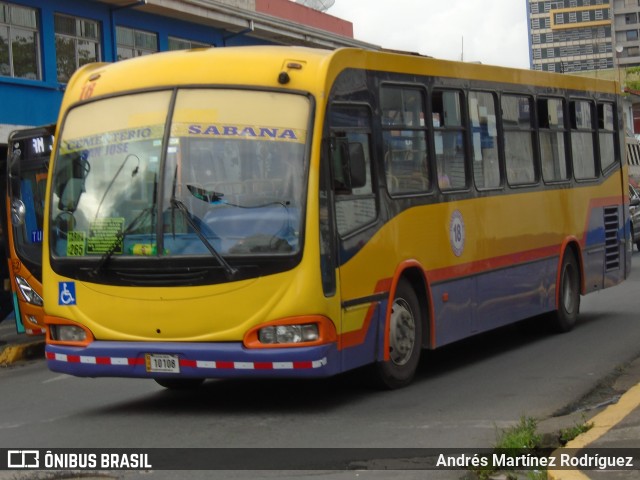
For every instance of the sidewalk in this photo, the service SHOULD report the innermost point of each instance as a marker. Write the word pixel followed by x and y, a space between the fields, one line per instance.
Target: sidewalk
pixel 16 346
pixel 615 427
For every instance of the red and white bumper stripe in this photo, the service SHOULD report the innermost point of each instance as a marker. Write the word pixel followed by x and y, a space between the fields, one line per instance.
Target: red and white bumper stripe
pixel 201 364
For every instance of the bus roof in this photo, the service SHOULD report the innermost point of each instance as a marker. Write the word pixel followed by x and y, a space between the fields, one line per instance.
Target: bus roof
pixel 262 65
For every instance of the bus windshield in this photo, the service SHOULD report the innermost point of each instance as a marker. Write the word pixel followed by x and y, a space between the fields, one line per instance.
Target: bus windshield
pixel 181 173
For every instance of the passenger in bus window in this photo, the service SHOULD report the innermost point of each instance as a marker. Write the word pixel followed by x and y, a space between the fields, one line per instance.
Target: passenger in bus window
pixel 443 181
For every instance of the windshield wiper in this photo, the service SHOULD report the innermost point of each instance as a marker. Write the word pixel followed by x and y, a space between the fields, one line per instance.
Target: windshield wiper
pixel 229 270
pixel 120 239
pixel 214 198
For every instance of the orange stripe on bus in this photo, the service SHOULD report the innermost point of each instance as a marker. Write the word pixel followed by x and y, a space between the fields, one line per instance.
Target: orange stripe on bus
pixel 357 337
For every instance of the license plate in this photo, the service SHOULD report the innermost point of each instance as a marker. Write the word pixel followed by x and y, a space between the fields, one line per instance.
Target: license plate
pixel 159 362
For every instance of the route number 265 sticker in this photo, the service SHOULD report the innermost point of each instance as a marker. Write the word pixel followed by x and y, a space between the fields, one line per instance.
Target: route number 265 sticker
pixel 456 233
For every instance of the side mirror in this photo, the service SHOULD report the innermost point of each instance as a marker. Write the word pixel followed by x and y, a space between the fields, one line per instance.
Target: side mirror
pixel 70 197
pixel 68 184
pixel 349 166
pixel 18 212
pixel 357 166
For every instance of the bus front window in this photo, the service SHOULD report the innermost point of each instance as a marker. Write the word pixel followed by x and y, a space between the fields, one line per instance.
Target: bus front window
pixel 28 162
pixel 106 173
pixel 228 179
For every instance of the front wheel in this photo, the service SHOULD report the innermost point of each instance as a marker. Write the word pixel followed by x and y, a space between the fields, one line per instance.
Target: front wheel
pixel 564 318
pixel 405 339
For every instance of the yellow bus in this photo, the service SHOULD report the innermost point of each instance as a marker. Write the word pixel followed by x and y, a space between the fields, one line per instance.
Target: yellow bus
pixel 290 212
pixel 29 150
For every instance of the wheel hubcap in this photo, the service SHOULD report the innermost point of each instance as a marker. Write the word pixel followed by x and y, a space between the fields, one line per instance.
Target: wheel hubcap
pixel 402 336
pixel 568 294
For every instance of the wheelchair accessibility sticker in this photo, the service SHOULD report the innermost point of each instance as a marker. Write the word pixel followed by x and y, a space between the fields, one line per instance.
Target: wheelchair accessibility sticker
pixel 66 293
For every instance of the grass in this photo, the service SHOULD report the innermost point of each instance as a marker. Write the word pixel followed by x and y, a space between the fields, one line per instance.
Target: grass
pixel 568 434
pixel 520 438
pixel 524 439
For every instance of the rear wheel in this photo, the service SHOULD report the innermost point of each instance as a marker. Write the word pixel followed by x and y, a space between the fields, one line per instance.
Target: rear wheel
pixel 564 318
pixel 179 383
pixel 405 339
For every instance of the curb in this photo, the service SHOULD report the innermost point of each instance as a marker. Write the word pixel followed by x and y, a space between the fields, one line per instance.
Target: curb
pixel 602 423
pixel 26 351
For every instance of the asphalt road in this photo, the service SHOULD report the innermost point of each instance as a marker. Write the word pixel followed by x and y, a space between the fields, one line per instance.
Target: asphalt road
pixel 463 396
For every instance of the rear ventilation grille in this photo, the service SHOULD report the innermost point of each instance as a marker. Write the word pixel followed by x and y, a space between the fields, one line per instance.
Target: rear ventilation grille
pixel 611 242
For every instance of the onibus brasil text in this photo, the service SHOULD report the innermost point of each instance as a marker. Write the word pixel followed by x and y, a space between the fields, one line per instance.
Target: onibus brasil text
pixel 111 461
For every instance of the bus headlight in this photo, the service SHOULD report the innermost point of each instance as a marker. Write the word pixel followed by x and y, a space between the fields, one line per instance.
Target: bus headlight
pixel 28 293
pixel 300 331
pixel 288 334
pixel 67 333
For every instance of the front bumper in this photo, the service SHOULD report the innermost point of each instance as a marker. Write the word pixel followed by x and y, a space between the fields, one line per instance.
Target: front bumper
pixel 196 360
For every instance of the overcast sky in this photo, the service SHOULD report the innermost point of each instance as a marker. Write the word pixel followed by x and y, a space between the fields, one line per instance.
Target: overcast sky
pixel 494 31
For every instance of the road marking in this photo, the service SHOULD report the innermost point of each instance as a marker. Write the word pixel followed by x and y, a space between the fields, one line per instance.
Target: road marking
pixel 56 378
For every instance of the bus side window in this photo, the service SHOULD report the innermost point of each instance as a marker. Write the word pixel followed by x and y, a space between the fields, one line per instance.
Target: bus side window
pixel 354 196
pixel 582 139
pixel 405 140
pixel 551 129
pixel 606 134
pixel 448 132
pixel 486 159
pixel 518 139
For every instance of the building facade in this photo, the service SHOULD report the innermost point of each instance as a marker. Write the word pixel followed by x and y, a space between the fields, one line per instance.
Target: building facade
pixel 42 42
pixel 570 35
pixel 582 35
pixel 626 24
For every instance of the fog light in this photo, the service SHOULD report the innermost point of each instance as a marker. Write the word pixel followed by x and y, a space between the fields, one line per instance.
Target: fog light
pixel 289 334
pixel 28 293
pixel 68 333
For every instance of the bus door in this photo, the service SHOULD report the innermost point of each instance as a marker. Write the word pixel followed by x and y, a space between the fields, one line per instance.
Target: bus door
pixel 27 165
pixel 356 212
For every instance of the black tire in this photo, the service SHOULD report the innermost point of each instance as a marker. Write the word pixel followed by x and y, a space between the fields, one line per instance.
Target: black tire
pixel 179 383
pixel 405 340
pixel 564 318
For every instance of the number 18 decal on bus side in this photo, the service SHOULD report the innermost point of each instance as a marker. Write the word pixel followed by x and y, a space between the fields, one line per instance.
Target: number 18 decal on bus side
pixel 456 233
